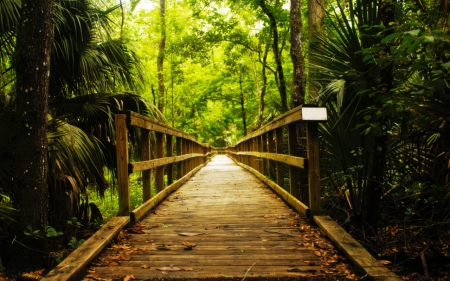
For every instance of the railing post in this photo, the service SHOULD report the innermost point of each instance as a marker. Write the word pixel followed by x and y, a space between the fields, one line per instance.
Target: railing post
pixel 265 161
pixel 169 153
pixel 159 177
pixel 179 153
pixel 294 172
pixel 145 155
pixel 279 150
pixel 312 137
pixel 123 183
pixel 271 149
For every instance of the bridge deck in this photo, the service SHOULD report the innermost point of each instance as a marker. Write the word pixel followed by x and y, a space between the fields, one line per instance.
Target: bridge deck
pixel 223 223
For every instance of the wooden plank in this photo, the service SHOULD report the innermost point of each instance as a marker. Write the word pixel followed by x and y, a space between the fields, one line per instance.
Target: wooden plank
pixel 72 266
pixel 145 156
pixel 365 263
pixel 159 171
pixel 242 226
pixel 295 161
pixel 169 153
pixel 123 182
pixel 144 122
pixel 279 150
pixel 147 206
pixel 294 173
pixel 283 120
pixel 151 164
pixel 288 198
pixel 315 199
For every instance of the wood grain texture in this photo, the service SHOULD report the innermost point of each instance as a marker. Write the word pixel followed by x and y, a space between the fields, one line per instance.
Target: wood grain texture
pixel 73 266
pixel 237 228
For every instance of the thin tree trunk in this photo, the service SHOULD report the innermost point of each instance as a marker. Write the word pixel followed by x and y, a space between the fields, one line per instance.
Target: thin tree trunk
pixel 242 103
pixel 263 87
pixel 277 54
pixel 160 59
pixel 32 66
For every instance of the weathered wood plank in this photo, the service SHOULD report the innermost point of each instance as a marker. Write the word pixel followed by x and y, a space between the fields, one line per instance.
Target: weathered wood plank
pixel 365 263
pixel 123 184
pixel 151 164
pixel 283 158
pixel 72 267
pixel 235 222
pixel 148 205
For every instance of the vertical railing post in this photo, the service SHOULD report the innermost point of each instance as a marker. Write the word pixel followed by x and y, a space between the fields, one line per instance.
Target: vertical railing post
pixel 159 177
pixel 265 161
pixel 123 183
pixel 312 138
pixel 271 149
pixel 179 153
pixel 279 150
pixel 294 172
pixel 169 153
pixel 145 155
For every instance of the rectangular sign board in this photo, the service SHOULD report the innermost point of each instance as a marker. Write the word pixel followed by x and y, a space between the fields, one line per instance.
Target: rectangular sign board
pixel 318 114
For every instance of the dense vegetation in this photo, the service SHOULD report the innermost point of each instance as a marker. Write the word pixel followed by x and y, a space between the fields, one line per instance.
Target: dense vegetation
pixel 220 69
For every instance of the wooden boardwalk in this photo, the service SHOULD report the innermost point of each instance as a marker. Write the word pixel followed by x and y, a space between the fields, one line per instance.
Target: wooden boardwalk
pixel 223 223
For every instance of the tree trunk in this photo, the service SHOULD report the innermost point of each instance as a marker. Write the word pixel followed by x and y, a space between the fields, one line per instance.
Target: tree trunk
pixel 242 103
pixel 263 87
pixel 298 177
pixel 32 66
pixel 298 61
pixel 160 59
pixel 277 55
pixel 374 190
pixel 316 14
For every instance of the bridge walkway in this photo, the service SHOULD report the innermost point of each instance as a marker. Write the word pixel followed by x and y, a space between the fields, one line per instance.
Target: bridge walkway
pixel 224 223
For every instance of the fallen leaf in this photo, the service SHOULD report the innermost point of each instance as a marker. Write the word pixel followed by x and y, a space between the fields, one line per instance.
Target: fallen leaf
pixel 163 247
pixel 385 262
pixel 190 234
pixel 318 253
pixel 145 266
pixel 128 277
pixel 189 244
pixel 169 268
pixel 125 256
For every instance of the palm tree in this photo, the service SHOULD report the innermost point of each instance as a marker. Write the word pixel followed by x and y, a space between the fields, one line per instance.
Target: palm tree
pixel 92 76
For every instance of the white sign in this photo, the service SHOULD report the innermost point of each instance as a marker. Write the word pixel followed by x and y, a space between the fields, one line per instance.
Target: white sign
pixel 314 114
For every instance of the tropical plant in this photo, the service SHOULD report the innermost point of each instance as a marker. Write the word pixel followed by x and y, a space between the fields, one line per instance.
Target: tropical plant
pixel 90 71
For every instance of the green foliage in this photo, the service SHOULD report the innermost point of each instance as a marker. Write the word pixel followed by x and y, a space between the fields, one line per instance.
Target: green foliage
pixel 74 243
pixel 51 232
pixel 33 233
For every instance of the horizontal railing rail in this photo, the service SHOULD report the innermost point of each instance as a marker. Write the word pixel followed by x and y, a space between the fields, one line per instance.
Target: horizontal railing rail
pixel 177 156
pixel 263 152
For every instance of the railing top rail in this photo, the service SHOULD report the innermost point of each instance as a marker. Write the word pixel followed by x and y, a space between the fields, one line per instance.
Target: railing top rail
pixel 291 116
pixel 144 122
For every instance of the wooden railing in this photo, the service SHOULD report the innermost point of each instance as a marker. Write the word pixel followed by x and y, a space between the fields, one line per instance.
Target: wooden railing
pixel 262 152
pixel 177 157
pixel 219 150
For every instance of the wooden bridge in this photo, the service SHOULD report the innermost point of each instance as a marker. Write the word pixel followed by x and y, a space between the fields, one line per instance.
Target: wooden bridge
pixel 218 217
